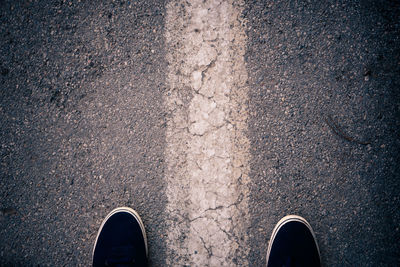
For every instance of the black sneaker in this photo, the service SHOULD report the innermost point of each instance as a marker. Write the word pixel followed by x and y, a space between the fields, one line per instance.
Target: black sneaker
pixel 121 240
pixel 293 243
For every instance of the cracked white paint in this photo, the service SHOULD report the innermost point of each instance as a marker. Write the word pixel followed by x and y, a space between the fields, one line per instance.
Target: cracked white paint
pixel 207 150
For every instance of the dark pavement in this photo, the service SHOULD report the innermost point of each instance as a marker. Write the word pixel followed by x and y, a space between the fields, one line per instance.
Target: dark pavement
pixel 311 64
pixel 83 125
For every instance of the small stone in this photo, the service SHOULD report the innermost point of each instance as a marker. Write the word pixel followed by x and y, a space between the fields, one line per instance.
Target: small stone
pixel 367 72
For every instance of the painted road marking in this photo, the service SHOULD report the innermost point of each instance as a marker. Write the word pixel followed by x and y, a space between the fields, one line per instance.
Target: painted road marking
pixel 207 151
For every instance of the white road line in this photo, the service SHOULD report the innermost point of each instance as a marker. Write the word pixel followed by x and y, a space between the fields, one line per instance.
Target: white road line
pixel 207 150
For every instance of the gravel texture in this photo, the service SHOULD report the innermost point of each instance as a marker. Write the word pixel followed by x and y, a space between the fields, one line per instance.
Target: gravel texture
pixel 310 61
pixel 81 125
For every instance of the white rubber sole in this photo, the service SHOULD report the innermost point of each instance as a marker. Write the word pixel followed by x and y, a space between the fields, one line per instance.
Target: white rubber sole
pixel 283 221
pixel 127 210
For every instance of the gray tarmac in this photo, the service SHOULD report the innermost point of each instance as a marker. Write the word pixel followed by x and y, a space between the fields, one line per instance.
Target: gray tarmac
pixel 83 125
pixel 315 67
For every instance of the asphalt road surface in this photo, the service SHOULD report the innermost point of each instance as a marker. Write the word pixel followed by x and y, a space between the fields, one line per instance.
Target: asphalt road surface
pixel 212 119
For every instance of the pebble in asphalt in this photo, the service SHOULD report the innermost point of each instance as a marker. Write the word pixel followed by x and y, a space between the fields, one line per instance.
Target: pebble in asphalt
pixel 83 125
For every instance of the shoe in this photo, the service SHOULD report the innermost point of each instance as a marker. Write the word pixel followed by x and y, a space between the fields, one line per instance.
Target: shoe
pixel 121 240
pixel 293 243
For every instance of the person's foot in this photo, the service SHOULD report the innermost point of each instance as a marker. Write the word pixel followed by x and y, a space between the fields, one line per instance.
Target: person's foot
pixel 293 243
pixel 121 240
